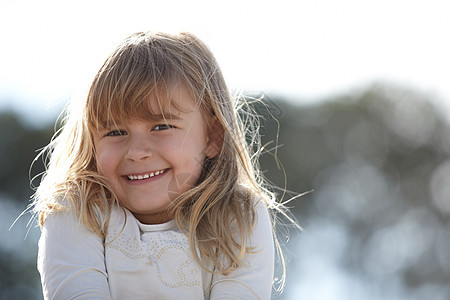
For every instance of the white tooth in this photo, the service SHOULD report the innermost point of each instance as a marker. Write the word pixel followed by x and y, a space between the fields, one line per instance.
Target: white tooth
pixel 152 174
pixel 146 176
pixel 140 177
pixel 162 171
pixel 157 173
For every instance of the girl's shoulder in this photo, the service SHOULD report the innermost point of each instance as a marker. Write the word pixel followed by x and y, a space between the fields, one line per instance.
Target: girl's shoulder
pixel 259 211
pixel 258 201
pixel 262 230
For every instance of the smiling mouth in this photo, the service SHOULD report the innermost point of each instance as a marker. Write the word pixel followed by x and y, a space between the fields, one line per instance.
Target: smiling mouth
pixel 145 176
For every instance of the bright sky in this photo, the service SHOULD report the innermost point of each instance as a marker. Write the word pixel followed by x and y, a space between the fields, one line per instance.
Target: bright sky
pixel 304 49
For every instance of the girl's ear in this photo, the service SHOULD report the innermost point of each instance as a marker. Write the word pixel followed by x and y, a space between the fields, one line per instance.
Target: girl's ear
pixel 215 138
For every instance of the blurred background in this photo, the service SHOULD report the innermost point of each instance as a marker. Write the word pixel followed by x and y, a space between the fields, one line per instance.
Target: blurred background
pixel 357 101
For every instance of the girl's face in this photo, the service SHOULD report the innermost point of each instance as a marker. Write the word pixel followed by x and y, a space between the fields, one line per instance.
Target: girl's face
pixel 150 162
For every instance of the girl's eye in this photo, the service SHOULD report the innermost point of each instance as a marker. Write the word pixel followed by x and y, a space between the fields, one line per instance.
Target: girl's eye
pixel 116 133
pixel 162 127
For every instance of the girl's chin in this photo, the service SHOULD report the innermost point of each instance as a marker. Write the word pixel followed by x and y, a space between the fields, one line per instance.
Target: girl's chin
pixel 143 209
pixel 156 218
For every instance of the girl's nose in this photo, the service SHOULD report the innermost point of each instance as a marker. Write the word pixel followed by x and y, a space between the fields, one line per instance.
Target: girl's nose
pixel 139 149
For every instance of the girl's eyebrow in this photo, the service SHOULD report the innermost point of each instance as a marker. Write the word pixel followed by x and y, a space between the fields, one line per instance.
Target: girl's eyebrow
pixel 155 118
pixel 108 124
pixel 165 116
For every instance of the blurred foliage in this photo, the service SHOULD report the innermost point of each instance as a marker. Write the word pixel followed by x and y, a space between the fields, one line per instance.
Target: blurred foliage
pixel 18 146
pixel 377 160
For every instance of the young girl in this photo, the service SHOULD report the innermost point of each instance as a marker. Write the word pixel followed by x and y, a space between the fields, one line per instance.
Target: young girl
pixel 151 190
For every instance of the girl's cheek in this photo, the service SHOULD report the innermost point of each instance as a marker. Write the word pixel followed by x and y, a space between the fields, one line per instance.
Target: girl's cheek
pixel 103 156
pixel 99 165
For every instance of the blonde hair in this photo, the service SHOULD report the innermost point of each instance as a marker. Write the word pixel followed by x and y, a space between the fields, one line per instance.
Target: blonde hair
pixel 149 64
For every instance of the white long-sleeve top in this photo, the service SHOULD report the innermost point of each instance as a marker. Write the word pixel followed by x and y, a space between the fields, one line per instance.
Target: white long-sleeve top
pixel 139 261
